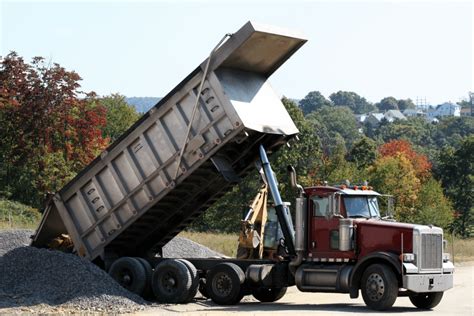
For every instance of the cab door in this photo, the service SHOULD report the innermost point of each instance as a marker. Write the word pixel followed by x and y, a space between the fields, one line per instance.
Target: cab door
pixel 324 233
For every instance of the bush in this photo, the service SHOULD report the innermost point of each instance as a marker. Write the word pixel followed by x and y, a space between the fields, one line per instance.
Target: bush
pixel 15 214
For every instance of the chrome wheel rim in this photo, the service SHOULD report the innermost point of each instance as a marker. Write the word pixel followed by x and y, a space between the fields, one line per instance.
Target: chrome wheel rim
pixel 375 287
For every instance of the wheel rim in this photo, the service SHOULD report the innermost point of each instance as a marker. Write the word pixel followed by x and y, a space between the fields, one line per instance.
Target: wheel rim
pixel 168 282
pixel 222 284
pixel 125 278
pixel 375 287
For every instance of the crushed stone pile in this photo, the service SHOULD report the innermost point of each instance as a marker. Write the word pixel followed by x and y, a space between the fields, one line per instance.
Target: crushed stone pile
pixel 180 247
pixel 44 281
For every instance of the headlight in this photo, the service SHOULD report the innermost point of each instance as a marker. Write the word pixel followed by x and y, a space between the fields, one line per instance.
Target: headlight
pixel 408 257
pixel 446 257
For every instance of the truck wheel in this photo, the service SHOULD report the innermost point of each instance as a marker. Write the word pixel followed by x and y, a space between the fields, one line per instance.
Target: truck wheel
pixel 271 294
pixel 426 300
pixel 379 287
pixel 147 292
pixel 224 283
pixel 194 279
pixel 130 274
pixel 171 281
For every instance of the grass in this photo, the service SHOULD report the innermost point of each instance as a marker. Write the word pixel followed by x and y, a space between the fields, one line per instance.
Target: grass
pixel 222 243
pixel 463 249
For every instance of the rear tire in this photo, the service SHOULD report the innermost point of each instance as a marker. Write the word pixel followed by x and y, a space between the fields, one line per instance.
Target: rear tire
pixel 194 280
pixel 147 292
pixel 130 274
pixel 379 287
pixel 203 288
pixel 271 294
pixel 224 284
pixel 426 300
pixel 171 281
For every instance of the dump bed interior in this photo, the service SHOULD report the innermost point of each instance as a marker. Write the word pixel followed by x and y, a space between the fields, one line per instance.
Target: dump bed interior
pixel 135 197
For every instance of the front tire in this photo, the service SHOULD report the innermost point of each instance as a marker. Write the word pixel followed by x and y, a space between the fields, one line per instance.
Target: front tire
pixel 379 287
pixel 426 300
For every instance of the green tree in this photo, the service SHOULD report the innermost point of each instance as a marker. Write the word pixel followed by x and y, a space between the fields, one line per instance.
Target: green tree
pixel 405 104
pixel 353 101
pixel 329 121
pixel 388 103
pixel 432 207
pixel 363 153
pixel 120 115
pixel 456 171
pixel 313 101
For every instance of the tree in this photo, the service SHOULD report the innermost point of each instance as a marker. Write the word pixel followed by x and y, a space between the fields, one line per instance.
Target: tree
pixel 432 207
pixel 405 104
pixel 313 101
pixel 49 129
pixel 388 103
pixel 352 100
pixel 456 172
pixel 395 175
pixel 363 153
pixel 420 163
pixel 120 116
pixel 329 121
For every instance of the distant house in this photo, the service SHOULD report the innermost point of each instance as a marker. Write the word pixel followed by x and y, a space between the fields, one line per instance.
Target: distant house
pixel 360 118
pixel 414 113
pixel 374 119
pixel 445 109
pixel 466 112
pixel 392 115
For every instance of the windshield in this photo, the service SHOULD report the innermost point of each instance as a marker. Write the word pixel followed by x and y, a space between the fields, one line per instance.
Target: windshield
pixel 361 206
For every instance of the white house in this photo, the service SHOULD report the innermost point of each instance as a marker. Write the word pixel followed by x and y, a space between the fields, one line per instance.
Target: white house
pixel 445 109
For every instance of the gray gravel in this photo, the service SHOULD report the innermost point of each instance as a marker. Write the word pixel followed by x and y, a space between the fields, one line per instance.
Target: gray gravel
pixel 45 281
pixel 180 247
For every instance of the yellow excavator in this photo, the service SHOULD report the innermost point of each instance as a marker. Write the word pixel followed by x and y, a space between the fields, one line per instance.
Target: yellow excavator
pixel 258 238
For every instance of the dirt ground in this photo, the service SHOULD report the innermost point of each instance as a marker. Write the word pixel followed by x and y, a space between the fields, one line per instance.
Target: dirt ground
pixel 457 301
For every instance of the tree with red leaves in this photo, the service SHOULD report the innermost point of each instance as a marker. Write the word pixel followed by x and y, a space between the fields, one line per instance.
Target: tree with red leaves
pixel 49 129
pixel 420 162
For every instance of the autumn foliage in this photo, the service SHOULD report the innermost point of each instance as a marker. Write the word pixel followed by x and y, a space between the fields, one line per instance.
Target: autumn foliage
pixel 49 129
pixel 420 162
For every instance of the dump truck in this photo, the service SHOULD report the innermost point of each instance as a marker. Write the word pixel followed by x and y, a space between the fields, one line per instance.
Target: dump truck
pixel 192 147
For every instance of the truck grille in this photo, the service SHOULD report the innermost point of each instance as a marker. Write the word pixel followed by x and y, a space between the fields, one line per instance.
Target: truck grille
pixel 431 251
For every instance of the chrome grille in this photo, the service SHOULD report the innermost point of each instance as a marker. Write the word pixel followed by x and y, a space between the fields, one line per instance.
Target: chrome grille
pixel 431 251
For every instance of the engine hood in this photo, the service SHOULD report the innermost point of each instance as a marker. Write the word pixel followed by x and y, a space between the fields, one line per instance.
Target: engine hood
pixel 383 236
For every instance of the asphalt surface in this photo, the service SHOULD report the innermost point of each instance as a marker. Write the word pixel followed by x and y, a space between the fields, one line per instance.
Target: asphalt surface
pixel 456 301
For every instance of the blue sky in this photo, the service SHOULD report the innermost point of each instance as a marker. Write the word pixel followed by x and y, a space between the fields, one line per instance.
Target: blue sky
pixel 377 49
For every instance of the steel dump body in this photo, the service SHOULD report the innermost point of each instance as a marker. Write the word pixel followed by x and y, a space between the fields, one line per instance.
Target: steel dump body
pixel 127 202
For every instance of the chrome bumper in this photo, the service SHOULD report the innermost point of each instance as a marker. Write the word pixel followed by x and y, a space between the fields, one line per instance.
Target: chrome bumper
pixel 421 283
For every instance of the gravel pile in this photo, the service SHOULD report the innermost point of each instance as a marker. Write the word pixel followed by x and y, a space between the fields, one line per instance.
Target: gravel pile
pixel 180 247
pixel 45 281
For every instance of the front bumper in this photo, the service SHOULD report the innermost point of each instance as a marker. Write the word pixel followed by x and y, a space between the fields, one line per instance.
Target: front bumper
pixel 422 283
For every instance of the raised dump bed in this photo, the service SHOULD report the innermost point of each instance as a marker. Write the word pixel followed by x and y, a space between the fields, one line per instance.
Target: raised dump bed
pixel 139 193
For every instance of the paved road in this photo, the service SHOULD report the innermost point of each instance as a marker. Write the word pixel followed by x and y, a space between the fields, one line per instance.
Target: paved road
pixel 457 301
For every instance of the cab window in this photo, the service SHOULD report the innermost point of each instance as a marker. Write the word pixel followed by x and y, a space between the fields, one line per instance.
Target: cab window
pixel 320 206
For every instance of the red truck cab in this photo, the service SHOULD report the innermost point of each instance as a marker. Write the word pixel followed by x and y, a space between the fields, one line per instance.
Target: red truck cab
pixel 350 247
